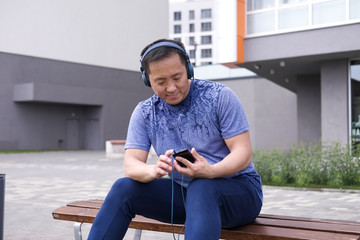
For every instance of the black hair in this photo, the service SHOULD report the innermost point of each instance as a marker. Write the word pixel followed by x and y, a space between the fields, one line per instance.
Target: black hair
pixel 161 53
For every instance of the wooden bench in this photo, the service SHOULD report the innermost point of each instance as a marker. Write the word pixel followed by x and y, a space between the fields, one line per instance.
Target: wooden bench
pixel 265 227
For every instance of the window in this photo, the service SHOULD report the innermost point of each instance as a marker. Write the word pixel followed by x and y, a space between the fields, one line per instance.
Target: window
pixel 206 26
pixel 354 9
pixel 191 40
pixel 206 63
pixel 206 53
pixel 331 11
pixel 205 13
pixel 177 16
pixel 177 39
pixel 191 14
pixel 259 4
pixel 355 101
pixel 192 53
pixel 294 17
pixel 261 22
pixel 177 28
pixel 285 2
pixel 271 16
pixel 191 27
pixel 206 40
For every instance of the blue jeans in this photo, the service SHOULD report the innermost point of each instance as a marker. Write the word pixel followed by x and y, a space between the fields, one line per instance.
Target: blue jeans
pixel 211 204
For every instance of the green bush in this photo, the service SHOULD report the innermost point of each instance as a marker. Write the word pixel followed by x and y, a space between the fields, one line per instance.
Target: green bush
pixel 329 164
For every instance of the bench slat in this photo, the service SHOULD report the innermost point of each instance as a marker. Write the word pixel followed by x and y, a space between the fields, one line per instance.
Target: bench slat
pixel 86 215
pixel 96 204
pixel 253 232
pixel 270 233
pixel 266 227
pixel 272 220
pixel 309 225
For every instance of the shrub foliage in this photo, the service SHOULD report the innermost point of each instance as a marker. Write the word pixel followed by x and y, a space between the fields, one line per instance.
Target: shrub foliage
pixel 329 164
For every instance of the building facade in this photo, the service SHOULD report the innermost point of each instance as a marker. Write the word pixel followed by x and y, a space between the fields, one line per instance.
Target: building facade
pixel 311 48
pixel 206 27
pixel 69 70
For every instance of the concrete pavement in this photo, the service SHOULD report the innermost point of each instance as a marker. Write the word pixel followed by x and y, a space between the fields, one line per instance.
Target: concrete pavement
pixel 37 183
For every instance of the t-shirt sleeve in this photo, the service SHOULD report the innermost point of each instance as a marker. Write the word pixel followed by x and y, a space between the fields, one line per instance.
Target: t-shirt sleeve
pixel 231 114
pixel 137 135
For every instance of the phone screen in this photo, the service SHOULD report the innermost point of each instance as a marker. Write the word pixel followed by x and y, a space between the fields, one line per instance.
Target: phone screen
pixel 185 153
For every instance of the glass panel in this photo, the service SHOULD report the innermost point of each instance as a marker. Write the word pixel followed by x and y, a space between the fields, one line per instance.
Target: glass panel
pixel 191 40
pixel 191 14
pixel 206 26
pixel 354 9
pixel 206 40
pixel 261 22
pixel 191 27
pixel 259 4
pixel 285 2
pixel 177 16
pixel 192 53
pixel 328 12
pixel 177 28
pixel 294 17
pixel 355 101
pixel 206 13
pixel 206 53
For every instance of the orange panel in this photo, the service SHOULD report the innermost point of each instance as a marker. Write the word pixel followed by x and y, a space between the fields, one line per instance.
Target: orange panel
pixel 241 4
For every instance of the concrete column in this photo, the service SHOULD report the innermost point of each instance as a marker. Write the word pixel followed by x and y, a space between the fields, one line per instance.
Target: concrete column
pixel 308 108
pixel 334 101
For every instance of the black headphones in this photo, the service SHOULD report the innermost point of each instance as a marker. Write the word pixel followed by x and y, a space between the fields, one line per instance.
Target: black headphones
pixel 188 65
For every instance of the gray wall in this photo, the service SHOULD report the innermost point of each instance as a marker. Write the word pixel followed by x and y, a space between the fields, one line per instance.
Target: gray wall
pixel 271 111
pixel 314 64
pixel 48 104
pixel 107 33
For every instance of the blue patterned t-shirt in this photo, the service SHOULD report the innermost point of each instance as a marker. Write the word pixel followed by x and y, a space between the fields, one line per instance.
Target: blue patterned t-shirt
pixel 210 113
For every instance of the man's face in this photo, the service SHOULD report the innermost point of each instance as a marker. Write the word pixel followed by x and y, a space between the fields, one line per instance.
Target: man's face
pixel 168 78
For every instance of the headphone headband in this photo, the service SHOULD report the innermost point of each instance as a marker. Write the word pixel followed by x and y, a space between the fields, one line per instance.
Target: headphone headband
pixel 162 44
pixel 189 67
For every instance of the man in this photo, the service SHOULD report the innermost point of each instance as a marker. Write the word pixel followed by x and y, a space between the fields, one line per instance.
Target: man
pixel 221 189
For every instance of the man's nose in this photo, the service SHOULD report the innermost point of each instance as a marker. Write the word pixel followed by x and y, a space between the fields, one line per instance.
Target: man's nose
pixel 171 86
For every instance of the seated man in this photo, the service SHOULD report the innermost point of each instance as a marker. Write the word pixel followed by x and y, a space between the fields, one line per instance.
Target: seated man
pixel 221 189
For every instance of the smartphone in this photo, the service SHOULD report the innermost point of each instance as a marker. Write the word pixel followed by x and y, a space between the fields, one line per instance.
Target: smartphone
pixel 185 153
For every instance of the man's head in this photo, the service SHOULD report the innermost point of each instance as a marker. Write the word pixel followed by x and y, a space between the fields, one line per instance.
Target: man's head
pixel 166 68
pixel 159 50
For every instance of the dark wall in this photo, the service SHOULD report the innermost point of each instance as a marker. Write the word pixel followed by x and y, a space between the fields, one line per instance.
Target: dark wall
pixel 101 102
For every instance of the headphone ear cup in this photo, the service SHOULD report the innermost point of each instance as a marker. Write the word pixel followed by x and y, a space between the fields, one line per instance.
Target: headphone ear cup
pixel 189 67
pixel 190 70
pixel 145 77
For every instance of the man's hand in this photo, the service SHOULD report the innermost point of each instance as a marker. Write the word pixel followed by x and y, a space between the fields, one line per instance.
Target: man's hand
pixel 163 165
pixel 201 168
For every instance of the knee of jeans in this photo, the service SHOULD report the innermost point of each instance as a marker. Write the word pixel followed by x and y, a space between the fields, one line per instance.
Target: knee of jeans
pixel 200 187
pixel 122 187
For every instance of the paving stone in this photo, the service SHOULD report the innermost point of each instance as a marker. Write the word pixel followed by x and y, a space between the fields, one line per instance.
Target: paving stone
pixel 37 183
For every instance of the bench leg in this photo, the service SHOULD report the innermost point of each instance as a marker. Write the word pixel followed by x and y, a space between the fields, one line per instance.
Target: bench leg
pixel 78 234
pixel 137 234
pixel 77 231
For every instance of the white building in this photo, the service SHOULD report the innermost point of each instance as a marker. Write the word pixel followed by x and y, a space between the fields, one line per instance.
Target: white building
pixel 206 27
